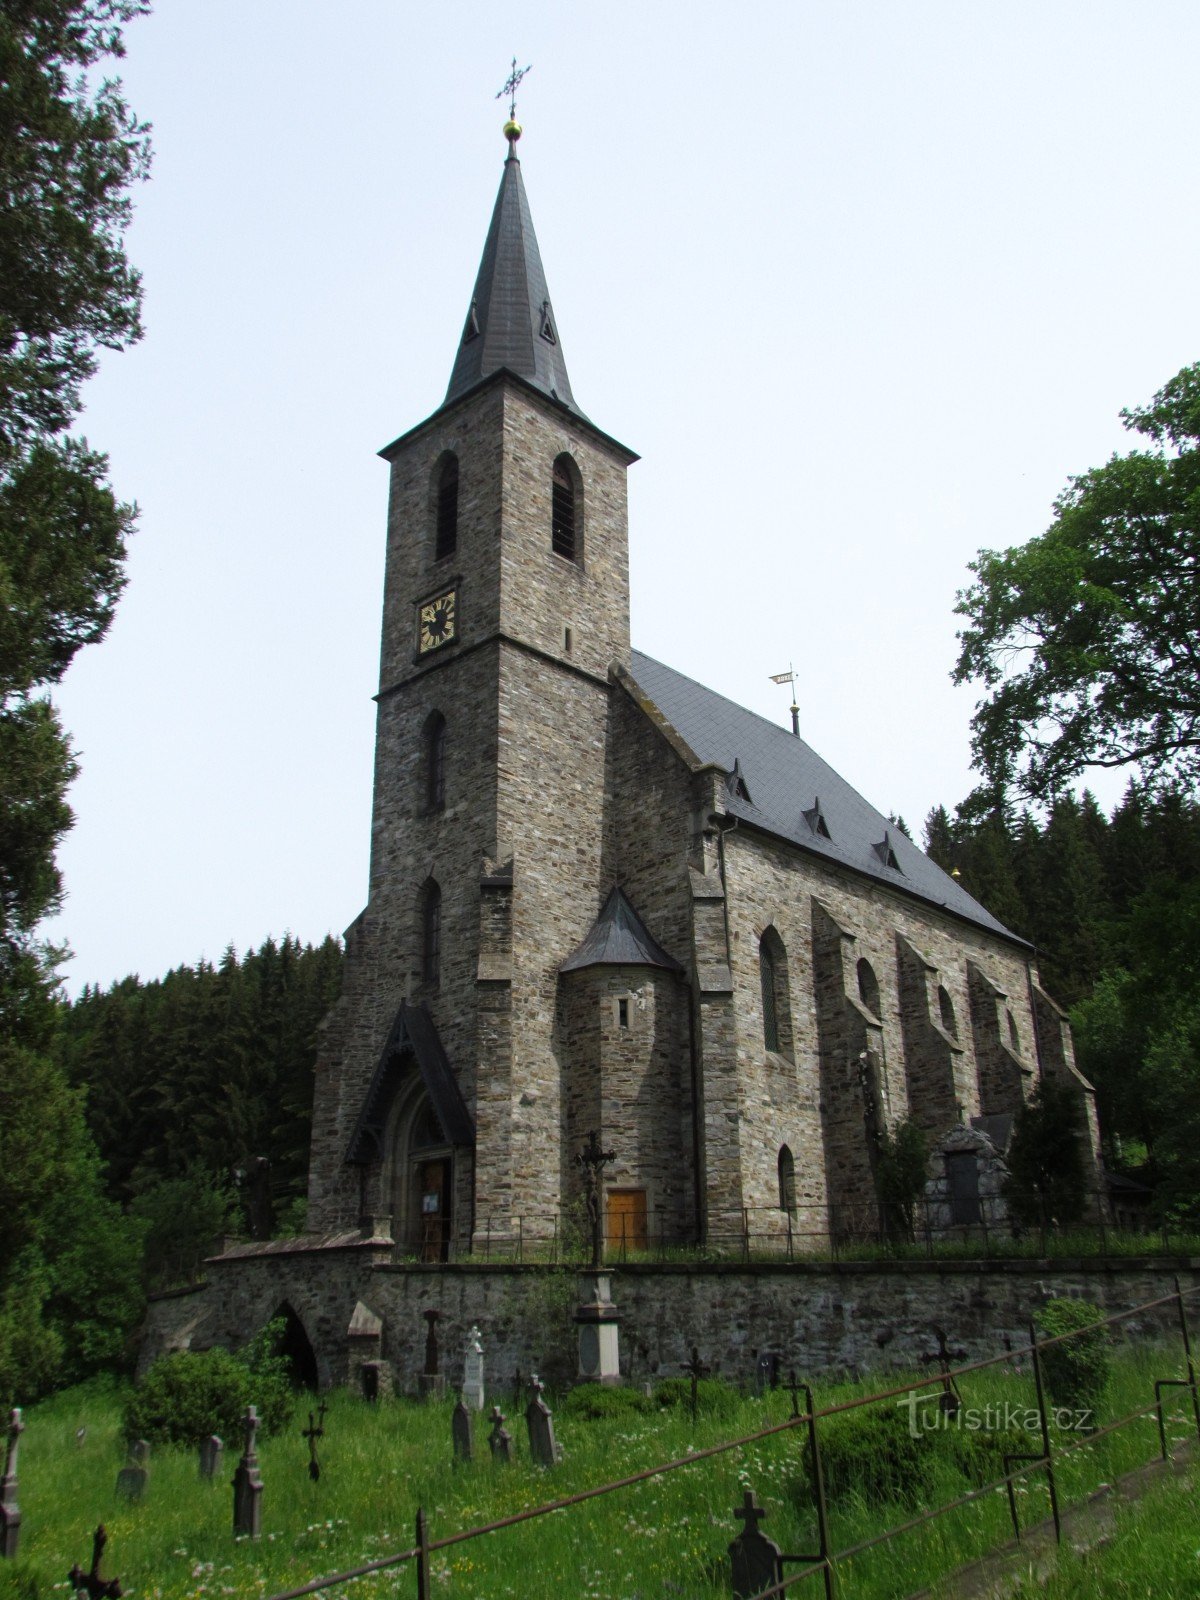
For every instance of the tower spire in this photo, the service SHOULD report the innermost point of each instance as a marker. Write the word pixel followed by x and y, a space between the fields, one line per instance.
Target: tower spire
pixel 510 324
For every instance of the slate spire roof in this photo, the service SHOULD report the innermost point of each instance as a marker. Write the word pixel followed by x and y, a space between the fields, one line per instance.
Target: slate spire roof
pixel 510 323
pixel 619 938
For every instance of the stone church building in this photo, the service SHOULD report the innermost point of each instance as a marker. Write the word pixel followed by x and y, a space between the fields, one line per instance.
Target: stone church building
pixel 604 897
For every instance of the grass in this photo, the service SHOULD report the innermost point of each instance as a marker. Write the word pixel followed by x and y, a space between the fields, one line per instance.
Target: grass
pixel 666 1537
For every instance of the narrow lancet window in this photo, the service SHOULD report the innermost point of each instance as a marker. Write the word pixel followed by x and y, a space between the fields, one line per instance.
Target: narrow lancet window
pixel 435 762
pixel 766 972
pixel 431 933
pixel 787 1181
pixel 563 539
pixel 446 541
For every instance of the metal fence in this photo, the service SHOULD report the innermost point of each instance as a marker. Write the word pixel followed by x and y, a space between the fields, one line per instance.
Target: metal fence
pixel 994 1225
pixel 831 1563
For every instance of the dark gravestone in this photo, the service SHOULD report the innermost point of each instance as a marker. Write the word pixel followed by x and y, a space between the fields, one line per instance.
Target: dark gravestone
pixel 135 1474
pixel 766 1371
pixel 248 1485
pixel 460 1432
pixel 314 1431
pixel 10 1511
pixel 757 1561
pixel 431 1383
pixel 696 1369
pixel 211 1451
pixel 543 1446
pixel 91 1583
pixel 499 1440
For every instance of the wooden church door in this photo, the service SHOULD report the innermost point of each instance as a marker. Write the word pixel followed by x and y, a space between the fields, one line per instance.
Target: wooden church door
pixel 433 1185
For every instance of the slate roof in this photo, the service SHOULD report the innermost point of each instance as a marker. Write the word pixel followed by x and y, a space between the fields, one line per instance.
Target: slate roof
pixel 780 784
pixel 619 938
pixel 412 1033
pixel 510 323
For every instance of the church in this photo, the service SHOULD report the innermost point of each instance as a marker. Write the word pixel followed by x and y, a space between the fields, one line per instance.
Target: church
pixel 605 898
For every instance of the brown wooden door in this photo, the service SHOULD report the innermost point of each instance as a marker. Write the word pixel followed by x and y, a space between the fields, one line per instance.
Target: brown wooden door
pixel 433 1199
pixel 626 1219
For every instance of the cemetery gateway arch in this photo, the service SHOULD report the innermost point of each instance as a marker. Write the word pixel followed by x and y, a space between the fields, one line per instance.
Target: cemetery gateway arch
pixel 604 897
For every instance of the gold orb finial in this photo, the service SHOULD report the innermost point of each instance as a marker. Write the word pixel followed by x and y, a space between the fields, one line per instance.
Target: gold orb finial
pixel 512 130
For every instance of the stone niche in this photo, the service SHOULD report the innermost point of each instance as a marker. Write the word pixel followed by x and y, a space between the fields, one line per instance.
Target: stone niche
pixel 364 1346
pixel 964 1193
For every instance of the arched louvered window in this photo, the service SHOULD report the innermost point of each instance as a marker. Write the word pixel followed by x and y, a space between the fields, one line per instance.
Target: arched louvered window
pixel 435 762
pixel 564 540
pixel 446 541
pixel 431 932
pixel 787 1181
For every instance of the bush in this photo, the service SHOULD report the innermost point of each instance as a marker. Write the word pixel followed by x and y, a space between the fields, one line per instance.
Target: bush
pixel 869 1452
pixel 594 1402
pixel 189 1394
pixel 713 1397
pixel 1076 1371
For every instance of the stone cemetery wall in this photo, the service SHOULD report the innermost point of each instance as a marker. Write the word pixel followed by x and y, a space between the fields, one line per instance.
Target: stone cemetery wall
pixel 821 1320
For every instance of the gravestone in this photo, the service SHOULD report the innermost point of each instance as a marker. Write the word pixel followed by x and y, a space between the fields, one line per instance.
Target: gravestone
pixel 212 1450
pixel 91 1583
pixel 10 1511
pixel 314 1431
pixel 757 1561
pixel 499 1440
pixel 472 1389
pixel 460 1432
pixel 539 1420
pixel 135 1474
pixel 248 1485
pixel 696 1369
pixel 766 1370
pixel 431 1384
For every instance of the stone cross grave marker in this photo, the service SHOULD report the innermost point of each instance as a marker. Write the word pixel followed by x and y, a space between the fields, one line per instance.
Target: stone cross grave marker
pixel 499 1440
pixel 460 1432
pixel 543 1446
pixel 472 1389
pixel 248 1484
pixel 10 1511
pixel 696 1369
pixel 91 1583
pixel 312 1432
pixel 431 1382
pixel 756 1560
pixel 212 1450
pixel 135 1474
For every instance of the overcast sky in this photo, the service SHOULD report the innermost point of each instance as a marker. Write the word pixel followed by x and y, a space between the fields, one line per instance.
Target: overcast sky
pixel 863 284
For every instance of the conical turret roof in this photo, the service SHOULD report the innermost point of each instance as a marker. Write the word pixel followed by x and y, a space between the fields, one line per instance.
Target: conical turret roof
pixel 510 324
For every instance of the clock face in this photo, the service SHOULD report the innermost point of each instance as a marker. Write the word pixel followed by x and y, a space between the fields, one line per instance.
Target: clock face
pixel 437 622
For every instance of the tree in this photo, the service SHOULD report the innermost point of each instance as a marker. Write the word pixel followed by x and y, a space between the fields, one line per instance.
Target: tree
pixel 1047 1181
pixel 70 150
pixel 1087 639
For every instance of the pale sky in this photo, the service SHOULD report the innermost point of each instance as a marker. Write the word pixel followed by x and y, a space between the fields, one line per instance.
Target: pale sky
pixel 863 284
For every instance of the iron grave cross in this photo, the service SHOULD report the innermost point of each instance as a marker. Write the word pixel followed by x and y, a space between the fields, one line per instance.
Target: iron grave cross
pixel 591 1161
pixel 511 85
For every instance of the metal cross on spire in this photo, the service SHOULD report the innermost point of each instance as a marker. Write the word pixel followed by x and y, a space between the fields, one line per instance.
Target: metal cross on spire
pixel 511 85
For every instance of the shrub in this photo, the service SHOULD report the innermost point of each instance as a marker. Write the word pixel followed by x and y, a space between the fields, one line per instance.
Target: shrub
pixel 714 1397
pixel 593 1402
pixel 1076 1371
pixel 869 1452
pixel 189 1394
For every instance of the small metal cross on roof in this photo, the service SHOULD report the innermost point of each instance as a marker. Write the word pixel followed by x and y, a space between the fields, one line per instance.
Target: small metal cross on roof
pixel 314 1431
pixel 511 84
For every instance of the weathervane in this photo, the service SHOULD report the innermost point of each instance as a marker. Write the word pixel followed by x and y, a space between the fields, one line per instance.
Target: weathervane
pixel 789 677
pixel 512 84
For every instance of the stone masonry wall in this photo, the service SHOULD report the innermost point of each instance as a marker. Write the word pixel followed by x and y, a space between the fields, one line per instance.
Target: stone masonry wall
pixel 822 1320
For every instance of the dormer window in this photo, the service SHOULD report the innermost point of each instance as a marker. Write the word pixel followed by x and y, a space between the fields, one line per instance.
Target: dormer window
pixel 815 818
pixel 446 540
pixel 563 531
pixel 885 852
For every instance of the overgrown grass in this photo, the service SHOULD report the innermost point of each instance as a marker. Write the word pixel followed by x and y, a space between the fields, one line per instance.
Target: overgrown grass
pixel 667 1537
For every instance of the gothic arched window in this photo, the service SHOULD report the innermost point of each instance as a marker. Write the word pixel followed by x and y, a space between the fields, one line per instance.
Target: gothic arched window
pixel 564 531
pixel 868 987
pixel 776 996
pixel 446 540
pixel 435 761
pixel 946 1007
pixel 431 932
pixel 787 1181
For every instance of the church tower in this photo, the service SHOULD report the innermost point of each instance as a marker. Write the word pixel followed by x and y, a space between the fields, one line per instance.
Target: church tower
pixel 439 1097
